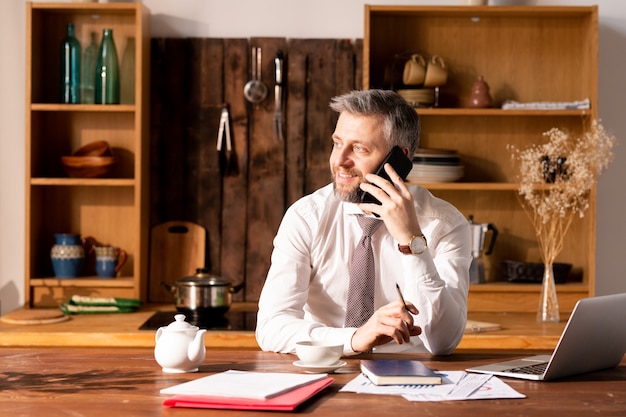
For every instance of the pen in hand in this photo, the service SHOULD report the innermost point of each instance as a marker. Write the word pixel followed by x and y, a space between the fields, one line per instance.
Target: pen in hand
pixel 401 297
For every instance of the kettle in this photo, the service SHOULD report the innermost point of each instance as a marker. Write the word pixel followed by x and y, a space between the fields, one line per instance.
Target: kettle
pixel 180 346
pixel 477 233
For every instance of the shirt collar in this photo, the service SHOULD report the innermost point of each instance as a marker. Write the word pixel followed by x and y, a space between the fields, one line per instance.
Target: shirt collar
pixel 352 209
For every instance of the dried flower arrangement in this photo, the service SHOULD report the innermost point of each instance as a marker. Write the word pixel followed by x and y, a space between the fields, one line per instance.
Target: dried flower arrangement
pixel 555 180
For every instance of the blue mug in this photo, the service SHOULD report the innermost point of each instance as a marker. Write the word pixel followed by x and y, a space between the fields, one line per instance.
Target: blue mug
pixel 109 261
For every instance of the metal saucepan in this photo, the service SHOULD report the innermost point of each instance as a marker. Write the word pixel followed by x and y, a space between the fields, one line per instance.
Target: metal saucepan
pixel 203 294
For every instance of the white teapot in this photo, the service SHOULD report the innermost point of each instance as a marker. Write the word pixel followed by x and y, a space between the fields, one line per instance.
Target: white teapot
pixel 180 346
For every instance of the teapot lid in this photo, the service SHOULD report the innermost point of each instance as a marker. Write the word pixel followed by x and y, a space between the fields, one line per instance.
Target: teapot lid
pixel 179 324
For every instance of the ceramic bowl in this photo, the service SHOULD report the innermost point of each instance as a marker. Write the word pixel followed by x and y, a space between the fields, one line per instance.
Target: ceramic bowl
pixel 314 353
pixel 88 166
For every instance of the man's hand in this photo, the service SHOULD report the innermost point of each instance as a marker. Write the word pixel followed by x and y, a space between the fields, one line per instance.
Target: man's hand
pixel 396 208
pixel 390 322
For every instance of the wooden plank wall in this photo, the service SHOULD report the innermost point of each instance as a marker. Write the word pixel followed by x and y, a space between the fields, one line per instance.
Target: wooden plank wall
pixel 241 210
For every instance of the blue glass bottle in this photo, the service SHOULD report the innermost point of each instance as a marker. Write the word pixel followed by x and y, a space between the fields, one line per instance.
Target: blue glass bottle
pixel 107 83
pixel 70 68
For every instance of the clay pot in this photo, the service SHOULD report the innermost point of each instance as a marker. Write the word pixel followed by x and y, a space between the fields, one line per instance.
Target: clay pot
pixel 480 97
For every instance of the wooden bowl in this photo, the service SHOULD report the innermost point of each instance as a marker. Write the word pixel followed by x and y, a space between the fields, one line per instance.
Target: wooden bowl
pixel 88 166
pixel 97 148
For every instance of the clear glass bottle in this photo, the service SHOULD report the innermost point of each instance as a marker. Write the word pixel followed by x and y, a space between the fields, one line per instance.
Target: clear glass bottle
pixel 127 73
pixel 70 67
pixel 107 83
pixel 88 77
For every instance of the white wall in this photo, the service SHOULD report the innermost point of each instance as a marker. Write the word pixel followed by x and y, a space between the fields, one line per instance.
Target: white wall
pixel 294 19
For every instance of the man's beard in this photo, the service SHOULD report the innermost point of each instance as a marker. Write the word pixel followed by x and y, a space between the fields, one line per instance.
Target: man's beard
pixel 350 196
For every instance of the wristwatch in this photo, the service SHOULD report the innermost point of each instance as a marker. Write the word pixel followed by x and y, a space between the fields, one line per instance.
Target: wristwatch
pixel 416 246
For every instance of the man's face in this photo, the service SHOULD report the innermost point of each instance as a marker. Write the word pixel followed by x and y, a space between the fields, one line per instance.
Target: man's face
pixel 358 149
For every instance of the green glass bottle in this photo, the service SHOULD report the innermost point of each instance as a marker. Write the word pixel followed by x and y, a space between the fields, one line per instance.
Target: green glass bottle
pixel 107 83
pixel 88 77
pixel 70 67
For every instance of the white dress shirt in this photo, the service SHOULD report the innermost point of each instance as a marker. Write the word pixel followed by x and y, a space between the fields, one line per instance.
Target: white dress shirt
pixel 306 290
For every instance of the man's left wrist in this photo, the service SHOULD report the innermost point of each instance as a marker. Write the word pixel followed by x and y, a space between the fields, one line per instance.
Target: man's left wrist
pixel 416 246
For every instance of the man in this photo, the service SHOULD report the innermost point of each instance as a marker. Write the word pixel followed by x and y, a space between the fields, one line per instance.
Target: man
pixel 307 287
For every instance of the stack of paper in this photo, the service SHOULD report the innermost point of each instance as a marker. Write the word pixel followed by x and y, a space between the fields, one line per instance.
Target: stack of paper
pixel 456 385
pixel 244 390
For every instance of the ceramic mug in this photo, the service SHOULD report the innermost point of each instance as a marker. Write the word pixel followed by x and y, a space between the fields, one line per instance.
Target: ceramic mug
pixel 414 70
pixel 109 261
pixel 436 72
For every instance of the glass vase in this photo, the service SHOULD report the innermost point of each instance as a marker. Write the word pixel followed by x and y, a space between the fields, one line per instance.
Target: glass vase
pixel 107 83
pixel 548 311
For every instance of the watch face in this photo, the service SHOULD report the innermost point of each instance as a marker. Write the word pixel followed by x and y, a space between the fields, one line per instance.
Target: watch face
pixel 418 245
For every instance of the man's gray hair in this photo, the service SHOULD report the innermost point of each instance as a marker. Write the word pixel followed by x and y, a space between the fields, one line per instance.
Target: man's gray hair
pixel 401 124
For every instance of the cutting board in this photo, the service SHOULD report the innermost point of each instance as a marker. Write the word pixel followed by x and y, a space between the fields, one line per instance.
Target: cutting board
pixel 177 249
pixel 34 316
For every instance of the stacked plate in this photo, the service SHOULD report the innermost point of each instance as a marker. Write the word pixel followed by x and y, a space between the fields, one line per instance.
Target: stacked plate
pixel 419 97
pixel 435 165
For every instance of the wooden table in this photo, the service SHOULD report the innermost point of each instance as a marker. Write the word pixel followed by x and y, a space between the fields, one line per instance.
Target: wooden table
pixel 60 381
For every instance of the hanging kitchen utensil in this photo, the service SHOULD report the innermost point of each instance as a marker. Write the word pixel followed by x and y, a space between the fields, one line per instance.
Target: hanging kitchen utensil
pixel 227 158
pixel 255 91
pixel 278 96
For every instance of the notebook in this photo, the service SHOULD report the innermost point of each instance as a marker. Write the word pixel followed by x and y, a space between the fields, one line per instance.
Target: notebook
pixel 288 401
pixel 594 338
pixel 244 384
pixel 398 372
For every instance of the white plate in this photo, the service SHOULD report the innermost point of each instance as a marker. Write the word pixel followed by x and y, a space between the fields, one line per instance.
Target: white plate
pixel 319 369
pixel 443 174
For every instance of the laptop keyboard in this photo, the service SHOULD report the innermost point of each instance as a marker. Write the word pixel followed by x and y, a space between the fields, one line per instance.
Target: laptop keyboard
pixel 535 369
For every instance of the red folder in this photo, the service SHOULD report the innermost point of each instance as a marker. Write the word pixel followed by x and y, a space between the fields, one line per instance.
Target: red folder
pixel 284 402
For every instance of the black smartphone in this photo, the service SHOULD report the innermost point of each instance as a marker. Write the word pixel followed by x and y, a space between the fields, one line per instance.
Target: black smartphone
pixel 399 161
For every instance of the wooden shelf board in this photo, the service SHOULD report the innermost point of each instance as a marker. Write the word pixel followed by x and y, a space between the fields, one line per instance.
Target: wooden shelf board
pixel 83 107
pixel 124 282
pixel 469 186
pixel 91 182
pixel 499 112
pixel 477 11
pixel 506 287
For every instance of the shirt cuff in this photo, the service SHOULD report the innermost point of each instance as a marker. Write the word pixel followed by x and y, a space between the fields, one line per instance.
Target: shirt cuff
pixel 336 336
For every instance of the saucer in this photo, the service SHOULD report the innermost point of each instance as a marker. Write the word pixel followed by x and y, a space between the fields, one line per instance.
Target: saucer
pixel 316 369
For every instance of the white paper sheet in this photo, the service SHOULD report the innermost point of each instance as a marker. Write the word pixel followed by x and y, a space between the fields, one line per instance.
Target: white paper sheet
pixel 243 384
pixel 457 385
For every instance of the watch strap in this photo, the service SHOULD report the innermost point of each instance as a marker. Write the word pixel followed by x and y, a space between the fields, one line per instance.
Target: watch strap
pixel 406 249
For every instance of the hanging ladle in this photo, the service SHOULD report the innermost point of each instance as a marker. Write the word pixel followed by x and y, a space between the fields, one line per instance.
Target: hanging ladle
pixel 254 90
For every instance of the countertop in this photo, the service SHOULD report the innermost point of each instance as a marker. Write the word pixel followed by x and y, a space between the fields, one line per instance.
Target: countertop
pixel 519 332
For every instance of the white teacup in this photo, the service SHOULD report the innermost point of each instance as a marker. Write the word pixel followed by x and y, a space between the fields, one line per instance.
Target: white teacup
pixel 436 72
pixel 414 70
pixel 315 353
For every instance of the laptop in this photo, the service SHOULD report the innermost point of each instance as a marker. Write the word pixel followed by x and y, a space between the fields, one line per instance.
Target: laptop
pixel 594 338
